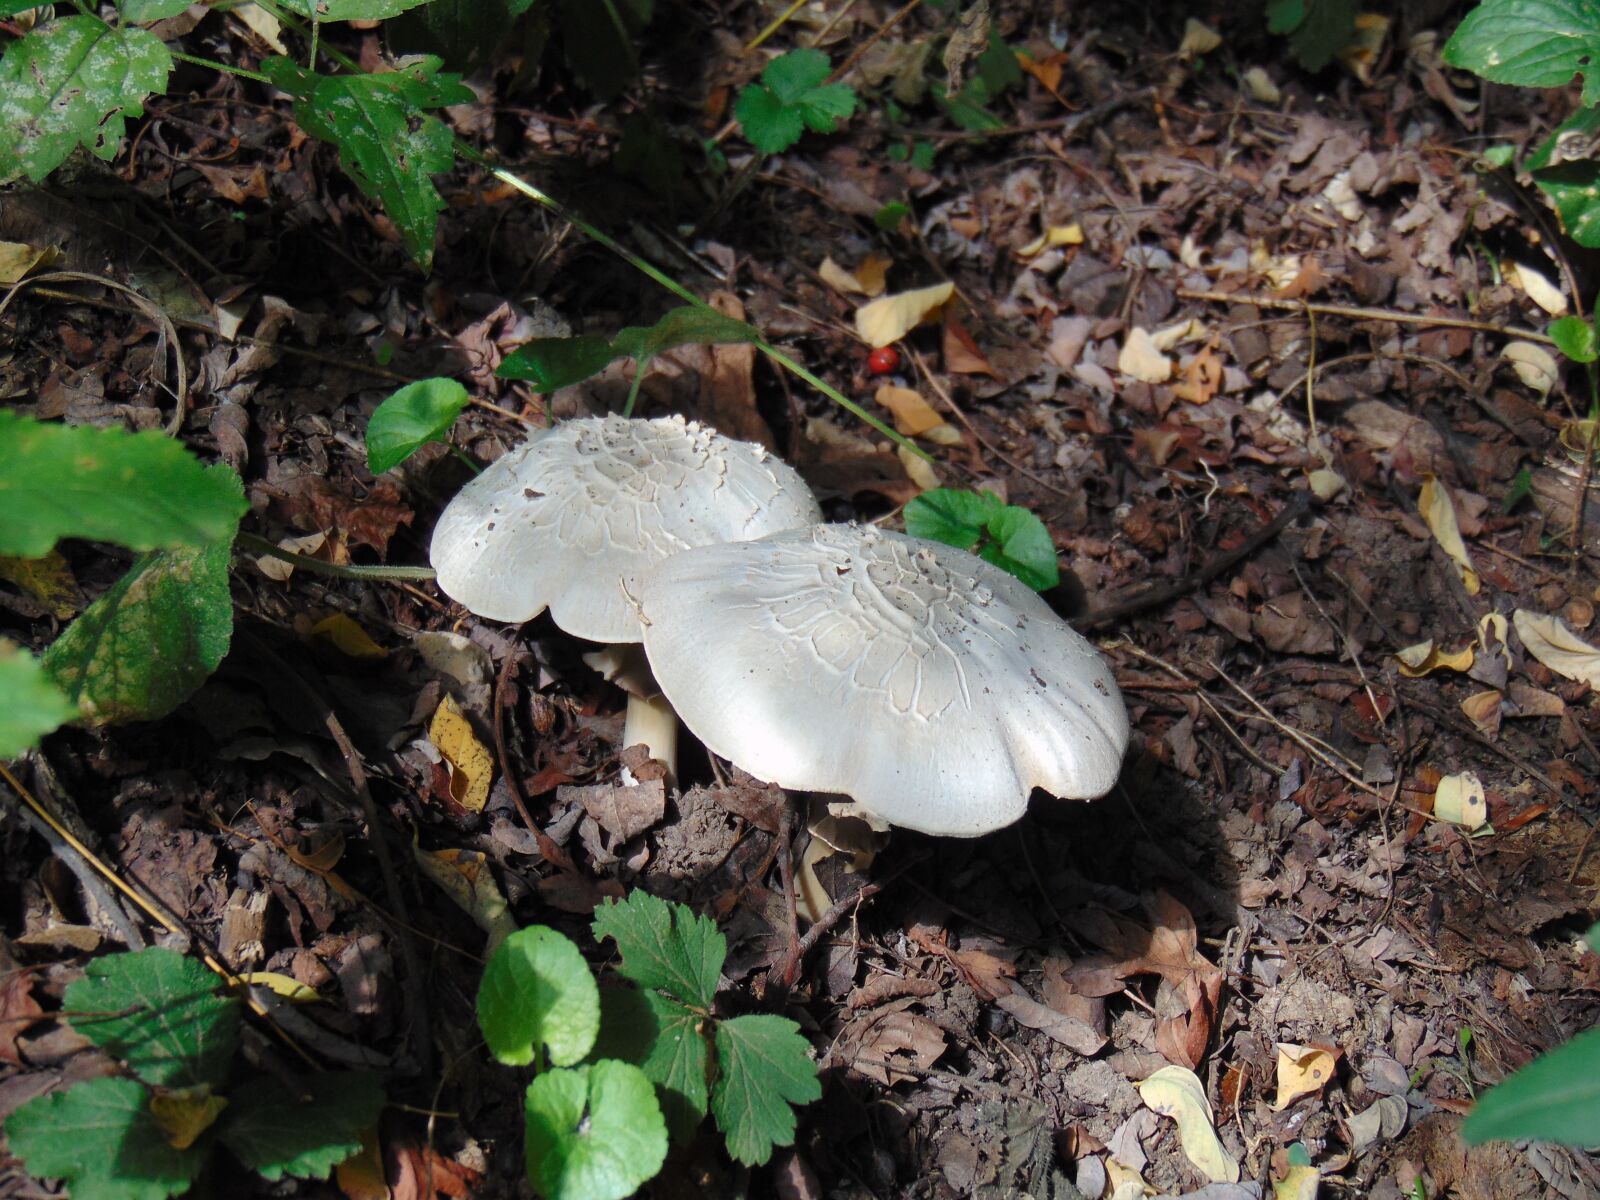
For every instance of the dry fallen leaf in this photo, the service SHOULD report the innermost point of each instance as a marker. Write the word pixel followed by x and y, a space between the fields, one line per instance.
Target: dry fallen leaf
pixel 1557 647
pixel 1424 658
pixel 18 258
pixel 48 581
pixel 1198 39
pixel 278 570
pixel 1298 1183
pixel 1439 511
pixel 912 414
pixel 1302 1070
pixel 470 765
pixel 867 279
pixel 918 469
pixel 1484 709
pixel 1365 45
pixel 1541 290
pixel 348 638
pixel 1260 86
pixel 1139 358
pixel 1534 365
pixel 1055 235
pixel 1202 377
pixel 889 318
pixel 1459 800
pixel 1176 1092
pixel 183 1114
pixel 466 878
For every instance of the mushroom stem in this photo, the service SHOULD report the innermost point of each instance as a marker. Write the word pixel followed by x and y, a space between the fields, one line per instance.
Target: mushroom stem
pixel 652 722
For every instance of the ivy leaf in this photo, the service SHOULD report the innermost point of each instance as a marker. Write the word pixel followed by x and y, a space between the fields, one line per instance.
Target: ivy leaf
pixel 764 1067
pixel 275 1132
pixel 102 1140
pixel 139 490
pixel 417 414
pixel 1531 43
pixel 790 99
pixel 557 362
pixel 593 1133
pixel 71 82
pixel 159 1012
pixel 537 991
pixel 686 325
pixel 664 946
pixel 30 705
pixel 1555 1098
pixel 145 646
pixel 666 1041
pixel 1007 535
pixel 387 143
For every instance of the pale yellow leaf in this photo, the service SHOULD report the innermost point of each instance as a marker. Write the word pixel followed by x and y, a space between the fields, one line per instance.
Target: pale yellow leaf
pixel 1125 1182
pixel 1260 86
pixel 1172 336
pixel 185 1113
pixel 1176 1092
pixel 889 318
pixel 1424 658
pixel 1298 1183
pixel 1301 1071
pixel 1326 483
pixel 1140 359
pixel 1550 641
pixel 1439 511
pixel 1540 287
pixel 1198 39
pixel 1534 365
pixel 866 280
pixel 18 258
pixel 912 414
pixel 1055 235
pixel 943 435
pixel 471 767
pixel 466 878
pixel 263 24
pixel 348 638
pixel 1459 800
pixel 289 988
pixel 276 568
pixel 918 469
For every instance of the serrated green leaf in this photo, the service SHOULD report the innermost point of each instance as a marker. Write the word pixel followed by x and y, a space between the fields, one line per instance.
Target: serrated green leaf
pixel 1573 189
pixel 763 1068
pixel 665 1040
pixel 160 1013
pixel 73 82
pixel 1575 338
pixel 954 516
pixel 137 12
pixel 1022 546
pixel 557 362
pixel 388 144
pixel 593 1133
pixel 1531 43
pixel 769 125
pixel 1555 1098
pixel 276 1132
pixel 665 946
pixel 537 991
pixel 417 414
pixel 139 490
pixel 30 705
pixel 350 10
pixel 683 326
pixel 100 1138
pixel 145 646
pixel 791 98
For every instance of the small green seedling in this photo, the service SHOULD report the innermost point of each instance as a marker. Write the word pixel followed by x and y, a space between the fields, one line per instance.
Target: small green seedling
pixel 791 98
pixel 1007 535
pixel 147 1135
pixel 417 414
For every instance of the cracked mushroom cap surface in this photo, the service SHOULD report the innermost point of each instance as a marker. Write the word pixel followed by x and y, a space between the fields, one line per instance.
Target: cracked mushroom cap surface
pixel 559 521
pixel 933 689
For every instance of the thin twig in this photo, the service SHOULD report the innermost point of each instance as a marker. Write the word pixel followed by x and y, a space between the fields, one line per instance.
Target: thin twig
pixel 1367 314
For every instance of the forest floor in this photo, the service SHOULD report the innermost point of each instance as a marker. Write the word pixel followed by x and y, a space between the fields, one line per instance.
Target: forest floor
pixel 1274 308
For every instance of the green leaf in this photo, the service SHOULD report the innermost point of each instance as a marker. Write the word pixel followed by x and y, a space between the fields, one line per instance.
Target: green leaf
pixel 137 12
pixel 1007 535
pixel 686 325
pixel 1573 189
pixel 557 362
pixel 71 82
pixel 764 1067
pixel 1023 546
pixel 30 705
pixel 1575 338
pixel 350 10
pixel 139 490
pixel 10 8
pixel 791 98
pixel 1283 16
pixel 954 516
pixel 537 991
pixel 145 646
pixel 276 1132
pixel 666 1041
pixel 387 143
pixel 1531 43
pixel 417 414
pixel 664 946
pixel 1317 29
pixel 1555 1098
pixel 100 1138
pixel 888 217
pixel 593 1133
pixel 160 1013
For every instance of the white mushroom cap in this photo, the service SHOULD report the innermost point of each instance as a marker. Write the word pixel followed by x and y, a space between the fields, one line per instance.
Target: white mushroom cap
pixel 932 688
pixel 561 520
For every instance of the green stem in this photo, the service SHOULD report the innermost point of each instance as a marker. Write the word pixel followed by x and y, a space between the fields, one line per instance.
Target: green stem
pixel 464 457
pixel 633 388
pixel 318 567
pixel 220 66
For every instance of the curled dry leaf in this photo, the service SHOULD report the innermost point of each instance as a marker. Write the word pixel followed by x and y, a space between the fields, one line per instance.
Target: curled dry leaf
pixel 1439 511
pixel 1557 647
pixel 1541 290
pixel 1424 658
pixel 1459 800
pixel 1260 86
pixel 471 766
pixel 1052 237
pixel 867 279
pixel 889 318
pixel 1534 365
pixel 1140 359
pixel 918 469
pixel 1303 1070
pixel 912 414
pixel 1176 1092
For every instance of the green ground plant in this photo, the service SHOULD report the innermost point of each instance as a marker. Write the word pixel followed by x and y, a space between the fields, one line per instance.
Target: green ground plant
pixel 1007 535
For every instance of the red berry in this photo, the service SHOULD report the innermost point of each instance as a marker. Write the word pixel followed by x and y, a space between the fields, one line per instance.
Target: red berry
pixel 883 360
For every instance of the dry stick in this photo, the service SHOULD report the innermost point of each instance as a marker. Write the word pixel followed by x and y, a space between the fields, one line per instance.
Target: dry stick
pixel 1297 507
pixel 782 975
pixel 860 51
pixel 1366 314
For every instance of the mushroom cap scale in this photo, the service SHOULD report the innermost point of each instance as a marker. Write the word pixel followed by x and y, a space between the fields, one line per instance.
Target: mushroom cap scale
pixel 562 519
pixel 932 688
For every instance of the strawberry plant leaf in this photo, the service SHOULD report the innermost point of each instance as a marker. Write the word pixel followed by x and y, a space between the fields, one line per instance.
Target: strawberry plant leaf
pixel 557 362
pixel 275 1132
pixel 101 1139
pixel 593 1133
pixel 417 414
pixel 764 1067
pixel 139 490
pixel 790 99
pixel 1555 1098
pixel 30 705
pixel 666 1041
pixel 159 1012
pixel 145 646
pixel 1531 43
pixel 387 143
pixel 73 82
pixel 537 991
pixel 664 946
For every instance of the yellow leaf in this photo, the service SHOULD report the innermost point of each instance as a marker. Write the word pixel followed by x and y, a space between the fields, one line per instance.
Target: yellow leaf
pixel 1301 1071
pixel 1299 1183
pixel 1459 800
pixel 1439 511
pixel 1126 1183
pixel 1198 39
pixel 1557 647
pixel 1055 235
pixel 361 1177
pixel 471 768
pixel 889 318
pixel 1326 483
pixel 912 414
pixel 918 469
pixel 18 258
pixel 282 985
pixel 1424 658
pixel 348 638
pixel 1260 86
pixel 466 878
pixel 47 580
pixel 1176 1092
pixel 1537 284
pixel 1534 365
pixel 866 280
pixel 185 1113
pixel 1140 359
